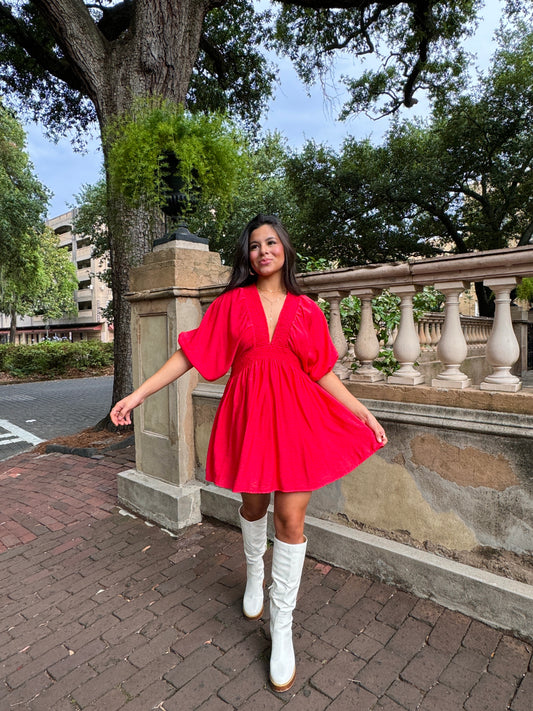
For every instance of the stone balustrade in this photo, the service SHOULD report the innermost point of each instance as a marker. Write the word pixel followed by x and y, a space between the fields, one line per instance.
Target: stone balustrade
pixel 476 331
pixel 500 270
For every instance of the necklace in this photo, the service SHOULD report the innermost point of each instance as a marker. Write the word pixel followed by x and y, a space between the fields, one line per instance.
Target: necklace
pixel 272 300
pixel 271 291
pixel 272 306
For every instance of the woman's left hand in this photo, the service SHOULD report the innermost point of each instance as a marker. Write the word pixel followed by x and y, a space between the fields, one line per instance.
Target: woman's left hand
pixel 377 429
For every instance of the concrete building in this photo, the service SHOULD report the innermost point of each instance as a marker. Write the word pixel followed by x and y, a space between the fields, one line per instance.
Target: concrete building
pixel 92 295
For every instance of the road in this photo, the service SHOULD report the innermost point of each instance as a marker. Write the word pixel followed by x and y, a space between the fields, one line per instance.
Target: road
pixel 34 412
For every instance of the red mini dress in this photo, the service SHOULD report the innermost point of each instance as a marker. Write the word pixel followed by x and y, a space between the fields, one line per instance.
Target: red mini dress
pixel 276 428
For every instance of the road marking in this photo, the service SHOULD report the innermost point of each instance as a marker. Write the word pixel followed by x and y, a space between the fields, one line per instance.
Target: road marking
pixel 17 434
pixel 17 397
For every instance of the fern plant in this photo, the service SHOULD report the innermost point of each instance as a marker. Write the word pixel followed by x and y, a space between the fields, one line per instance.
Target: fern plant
pixel 208 148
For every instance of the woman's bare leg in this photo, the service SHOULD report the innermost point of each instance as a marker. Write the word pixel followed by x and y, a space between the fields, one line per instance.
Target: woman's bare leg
pixel 254 506
pixel 289 515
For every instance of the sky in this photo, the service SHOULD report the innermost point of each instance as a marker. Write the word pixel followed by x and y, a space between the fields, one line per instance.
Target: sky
pixel 298 113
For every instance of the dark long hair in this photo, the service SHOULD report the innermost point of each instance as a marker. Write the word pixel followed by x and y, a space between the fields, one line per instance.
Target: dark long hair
pixel 243 275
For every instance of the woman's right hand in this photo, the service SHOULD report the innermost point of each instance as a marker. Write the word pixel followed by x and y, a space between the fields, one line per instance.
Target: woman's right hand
pixel 121 412
pixel 174 368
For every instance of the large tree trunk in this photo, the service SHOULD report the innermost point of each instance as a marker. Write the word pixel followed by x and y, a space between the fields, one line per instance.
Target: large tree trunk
pixel 155 56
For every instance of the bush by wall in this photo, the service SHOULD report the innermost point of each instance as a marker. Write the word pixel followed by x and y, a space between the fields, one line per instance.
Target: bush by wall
pixel 54 358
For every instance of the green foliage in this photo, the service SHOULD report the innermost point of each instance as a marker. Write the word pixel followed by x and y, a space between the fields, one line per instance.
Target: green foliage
pixel 426 301
pixel 308 263
pixel 48 288
pixel 23 199
pixel 50 359
pixel 261 186
pixel 208 148
pixel 386 316
pixel 416 45
pixel 340 212
pixel 231 74
pixel 91 216
pixel 460 181
pixel 525 290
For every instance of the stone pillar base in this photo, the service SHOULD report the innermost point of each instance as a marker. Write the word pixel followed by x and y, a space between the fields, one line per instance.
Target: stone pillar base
pixel 170 506
pixel 444 383
pixel 367 376
pixel 501 387
pixel 415 379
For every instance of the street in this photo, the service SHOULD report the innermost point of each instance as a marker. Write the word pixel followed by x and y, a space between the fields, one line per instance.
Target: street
pixel 34 412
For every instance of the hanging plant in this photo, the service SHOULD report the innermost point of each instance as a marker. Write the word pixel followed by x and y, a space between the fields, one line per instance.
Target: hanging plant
pixel 158 140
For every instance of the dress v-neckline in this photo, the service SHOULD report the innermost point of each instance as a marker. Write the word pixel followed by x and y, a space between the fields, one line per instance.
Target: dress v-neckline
pixel 278 328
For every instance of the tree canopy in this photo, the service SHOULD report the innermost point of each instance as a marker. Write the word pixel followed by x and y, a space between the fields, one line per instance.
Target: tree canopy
pixel 23 199
pixel 220 63
pixel 47 290
pixel 459 181
pixel 35 277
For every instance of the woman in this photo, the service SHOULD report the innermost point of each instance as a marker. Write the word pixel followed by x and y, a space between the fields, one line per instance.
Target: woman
pixel 285 425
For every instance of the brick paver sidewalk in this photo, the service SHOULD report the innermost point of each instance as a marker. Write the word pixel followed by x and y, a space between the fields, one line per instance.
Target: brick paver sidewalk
pixel 100 611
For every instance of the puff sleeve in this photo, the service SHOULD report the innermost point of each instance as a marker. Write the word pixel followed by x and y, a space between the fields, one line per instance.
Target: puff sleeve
pixel 212 346
pixel 318 354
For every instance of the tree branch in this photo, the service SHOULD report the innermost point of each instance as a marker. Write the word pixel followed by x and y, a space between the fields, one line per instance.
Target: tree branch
pixel 79 38
pixel 17 31
pixel 527 236
pixel 344 4
pixel 215 55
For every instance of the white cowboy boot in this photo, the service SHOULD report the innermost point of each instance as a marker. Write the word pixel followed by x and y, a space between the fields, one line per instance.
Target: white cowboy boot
pixel 254 537
pixel 287 565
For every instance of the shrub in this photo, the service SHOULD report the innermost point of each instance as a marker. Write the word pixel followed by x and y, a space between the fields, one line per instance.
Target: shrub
pixel 53 358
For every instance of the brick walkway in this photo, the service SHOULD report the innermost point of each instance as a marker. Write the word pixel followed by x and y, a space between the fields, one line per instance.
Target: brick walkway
pixel 100 611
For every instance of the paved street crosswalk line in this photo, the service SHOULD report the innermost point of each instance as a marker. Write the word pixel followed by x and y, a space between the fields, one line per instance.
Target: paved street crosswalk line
pixel 18 433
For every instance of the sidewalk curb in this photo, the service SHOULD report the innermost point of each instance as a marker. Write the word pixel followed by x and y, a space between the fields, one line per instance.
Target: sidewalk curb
pixel 90 451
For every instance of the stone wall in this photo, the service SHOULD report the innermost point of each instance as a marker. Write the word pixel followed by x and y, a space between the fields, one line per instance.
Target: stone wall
pixel 453 477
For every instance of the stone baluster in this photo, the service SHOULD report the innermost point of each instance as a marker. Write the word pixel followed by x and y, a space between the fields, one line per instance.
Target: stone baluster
pixel 406 345
pixel 467 333
pixel 334 299
pixel 452 349
pixel 366 347
pixel 435 333
pixel 502 347
pixel 422 333
pixel 427 334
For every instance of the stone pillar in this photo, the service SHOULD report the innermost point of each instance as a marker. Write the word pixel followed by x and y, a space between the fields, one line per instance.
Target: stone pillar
pixel 452 349
pixel 164 302
pixel 334 299
pixel 502 347
pixel 366 347
pixel 406 344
